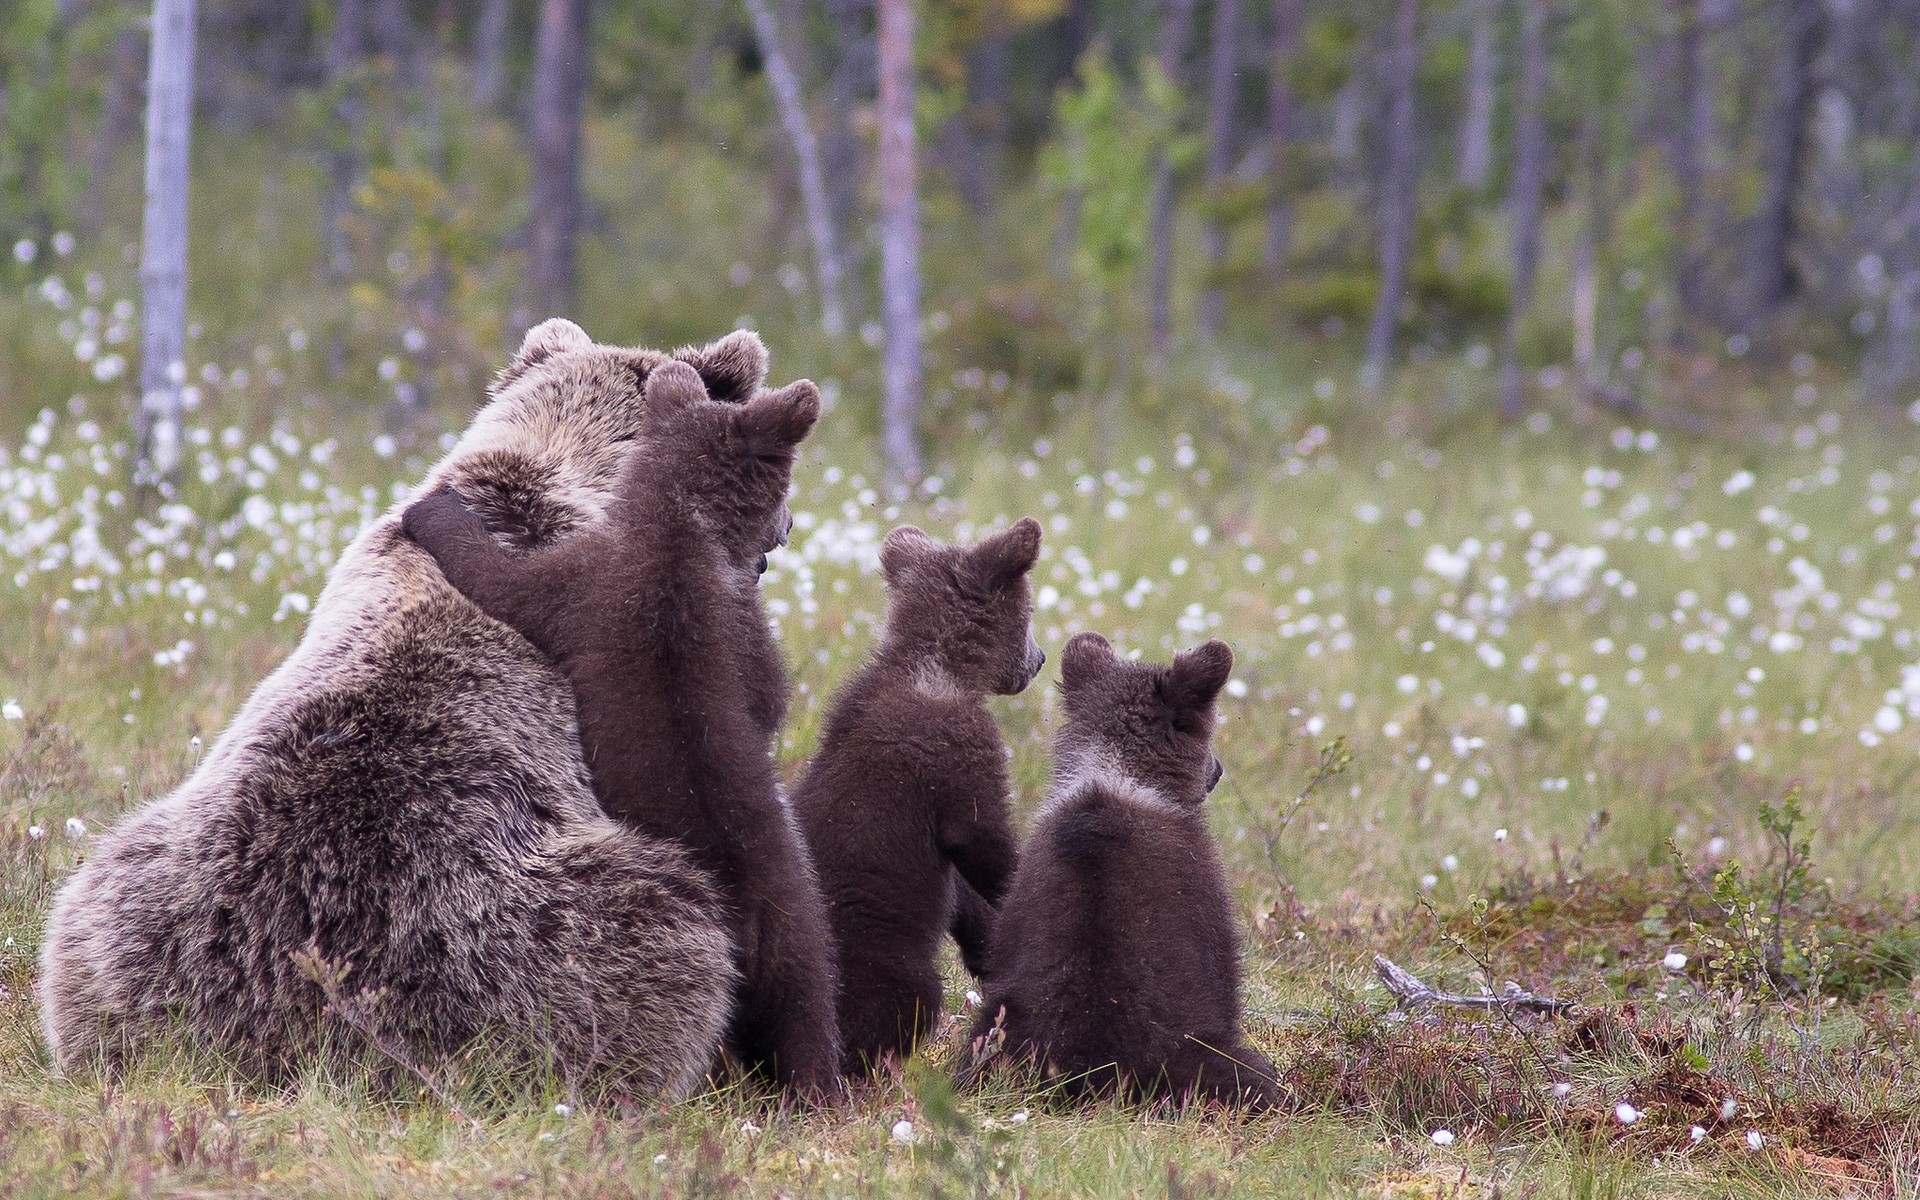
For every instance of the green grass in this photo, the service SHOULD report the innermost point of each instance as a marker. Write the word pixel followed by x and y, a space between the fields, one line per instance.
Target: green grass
pixel 1449 599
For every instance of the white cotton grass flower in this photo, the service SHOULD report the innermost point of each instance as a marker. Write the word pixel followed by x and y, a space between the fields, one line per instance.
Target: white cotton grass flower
pixel 563 1110
pixel 903 1132
pixel 1755 1140
pixel 1562 1090
pixel 1675 961
pixel 11 710
pixel 1500 834
pixel 76 828
pixel 660 1160
pixel 1019 1118
pixel 749 1128
pixel 1443 1137
pixel 37 832
pixel 1728 1108
pixel 1625 1113
pixel 1698 1133
pixel 974 999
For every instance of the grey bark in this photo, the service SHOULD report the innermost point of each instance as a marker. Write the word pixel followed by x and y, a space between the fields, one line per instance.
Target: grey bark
pixel 1774 281
pixel 1221 70
pixel 1475 164
pixel 900 369
pixel 1688 149
pixel 490 53
pixel 1529 184
pixel 559 96
pixel 344 65
pixel 850 81
pixel 163 243
pixel 1397 194
pixel 1175 18
pixel 1281 109
pixel 806 151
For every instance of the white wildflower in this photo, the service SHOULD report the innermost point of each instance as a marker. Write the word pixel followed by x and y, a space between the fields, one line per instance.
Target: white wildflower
pixel 76 827
pixel 903 1132
pixel 11 710
pixel 1754 1140
pixel 1675 961
pixel 1443 1137
pixel 1625 1113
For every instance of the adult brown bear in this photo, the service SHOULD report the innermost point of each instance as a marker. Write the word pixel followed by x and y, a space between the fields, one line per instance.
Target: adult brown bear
pixel 405 796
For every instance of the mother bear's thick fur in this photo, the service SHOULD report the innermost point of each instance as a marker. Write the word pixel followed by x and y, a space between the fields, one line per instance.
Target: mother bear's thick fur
pixel 405 796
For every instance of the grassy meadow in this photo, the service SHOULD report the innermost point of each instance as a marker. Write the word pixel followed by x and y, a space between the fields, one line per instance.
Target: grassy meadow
pixel 1627 712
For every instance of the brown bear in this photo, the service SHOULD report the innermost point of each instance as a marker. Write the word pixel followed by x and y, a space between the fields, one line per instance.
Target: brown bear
pixel 405 798
pixel 655 618
pixel 906 798
pixel 1114 961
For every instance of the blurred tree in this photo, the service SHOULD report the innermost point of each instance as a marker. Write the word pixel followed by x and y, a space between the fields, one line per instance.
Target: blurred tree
pixel 559 96
pixel 900 369
pixel 1773 278
pixel 1528 190
pixel 1687 145
pixel 346 82
pixel 1222 72
pixel 119 119
pixel 1475 164
pixel 163 245
pixel 1398 193
pixel 490 53
pixel 1176 16
pixel 1281 106
pixel 829 270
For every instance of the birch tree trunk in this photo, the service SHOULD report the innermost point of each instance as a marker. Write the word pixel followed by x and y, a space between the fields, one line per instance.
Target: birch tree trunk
pixel 163 244
pixel 1281 105
pixel 345 58
pixel 1397 195
pixel 1688 148
pixel 900 380
pixel 1475 164
pixel 559 95
pixel 1175 18
pixel 490 53
pixel 813 188
pixel 1529 184
pixel 1220 96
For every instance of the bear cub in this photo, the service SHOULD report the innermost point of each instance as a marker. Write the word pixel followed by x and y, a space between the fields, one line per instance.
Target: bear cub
pixel 1115 962
pixel 654 617
pixel 905 804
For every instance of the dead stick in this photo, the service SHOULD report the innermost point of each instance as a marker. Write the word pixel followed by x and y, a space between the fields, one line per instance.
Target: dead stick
pixel 1411 993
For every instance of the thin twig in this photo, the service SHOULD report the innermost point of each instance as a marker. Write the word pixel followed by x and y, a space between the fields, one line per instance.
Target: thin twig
pixel 1412 993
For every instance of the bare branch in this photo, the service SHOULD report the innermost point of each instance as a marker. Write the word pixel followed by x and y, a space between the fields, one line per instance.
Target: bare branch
pixel 1412 993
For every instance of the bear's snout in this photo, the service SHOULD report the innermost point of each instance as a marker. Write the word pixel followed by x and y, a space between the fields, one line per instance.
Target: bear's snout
pixel 1215 772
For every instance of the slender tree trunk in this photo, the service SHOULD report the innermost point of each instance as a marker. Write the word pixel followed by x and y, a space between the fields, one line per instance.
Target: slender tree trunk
pixel 1590 237
pixel 119 121
pixel 163 243
pixel 1175 18
pixel 345 58
pixel 1774 281
pixel 1529 184
pixel 1475 164
pixel 899 245
pixel 1688 149
pixel 806 152
pixel 559 96
pixel 1397 195
pixel 985 119
pixel 1281 106
pixel 1221 70
pixel 490 53
pixel 849 82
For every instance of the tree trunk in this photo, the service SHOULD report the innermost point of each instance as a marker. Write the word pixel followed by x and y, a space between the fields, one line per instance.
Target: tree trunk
pixel 985 120
pixel 345 59
pixel 1774 281
pixel 1476 127
pixel 1281 105
pixel 119 121
pixel 490 53
pixel 1688 149
pixel 163 244
pixel 1221 70
pixel 1591 236
pixel 559 96
pixel 1397 195
pixel 899 246
pixel 1175 17
pixel 806 151
pixel 849 82
pixel 1529 184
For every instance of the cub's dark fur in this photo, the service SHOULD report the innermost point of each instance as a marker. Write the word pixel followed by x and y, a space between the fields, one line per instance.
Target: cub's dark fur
pixel 906 799
pixel 655 619
pixel 1115 962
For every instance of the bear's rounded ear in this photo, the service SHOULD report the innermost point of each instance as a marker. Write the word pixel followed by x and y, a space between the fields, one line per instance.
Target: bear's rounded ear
pixel 672 386
pixel 904 547
pixel 733 368
pixel 1088 656
pixel 1005 557
pixel 1197 675
pixel 776 422
pixel 556 335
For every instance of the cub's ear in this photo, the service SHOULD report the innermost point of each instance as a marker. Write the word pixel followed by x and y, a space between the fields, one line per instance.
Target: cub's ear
pixel 555 335
pixel 733 368
pixel 776 422
pixel 1087 657
pixel 672 386
pixel 905 547
pixel 1002 559
pixel 1197 675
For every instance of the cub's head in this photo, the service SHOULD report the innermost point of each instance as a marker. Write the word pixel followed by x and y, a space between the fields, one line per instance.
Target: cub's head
pixel 730 463
pixel 1146 723
pixel 964 614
